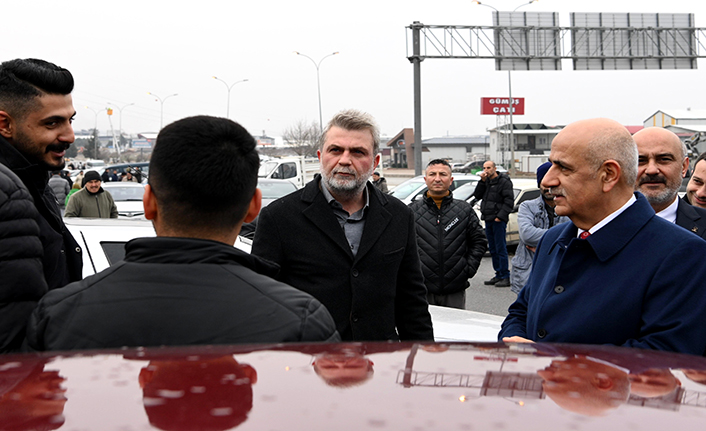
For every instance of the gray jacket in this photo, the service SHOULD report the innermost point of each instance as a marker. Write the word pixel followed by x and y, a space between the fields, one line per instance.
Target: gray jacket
pixel 533 222
pixel 60 187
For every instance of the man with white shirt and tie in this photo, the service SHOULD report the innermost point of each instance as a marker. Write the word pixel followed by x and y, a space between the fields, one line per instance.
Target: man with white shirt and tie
pixel 662 165
pixel 615 274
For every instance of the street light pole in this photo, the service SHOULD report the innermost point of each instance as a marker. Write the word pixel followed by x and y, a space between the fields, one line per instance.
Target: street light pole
pixel 228 87
pixel 120 121
pixel 524 4
pixel 318 83
pixel 95 132
pixel 161 111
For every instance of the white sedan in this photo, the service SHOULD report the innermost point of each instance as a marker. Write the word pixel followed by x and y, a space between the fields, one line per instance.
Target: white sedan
pixel 127 197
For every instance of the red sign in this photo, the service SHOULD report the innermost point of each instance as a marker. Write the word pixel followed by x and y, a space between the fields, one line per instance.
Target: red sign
pixel 501 106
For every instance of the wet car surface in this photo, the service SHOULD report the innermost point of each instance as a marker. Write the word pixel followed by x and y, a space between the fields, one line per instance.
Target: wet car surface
pixel 383 386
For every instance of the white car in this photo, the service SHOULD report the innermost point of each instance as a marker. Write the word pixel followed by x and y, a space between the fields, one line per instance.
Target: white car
pixel 127 196
pixel 103 239
pixel 523 189
pixel 103 243
pixel 414 188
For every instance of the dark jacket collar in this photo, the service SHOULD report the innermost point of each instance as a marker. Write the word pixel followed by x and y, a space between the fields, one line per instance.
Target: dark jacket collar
pixel 30 173
pixel 377 217
pixel 430 200
pixel 612 237
pixel 192 251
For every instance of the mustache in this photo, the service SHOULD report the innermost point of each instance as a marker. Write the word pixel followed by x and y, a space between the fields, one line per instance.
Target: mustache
pixel 556 191
pixel 343 171
pixel 656 178
pixel 57 147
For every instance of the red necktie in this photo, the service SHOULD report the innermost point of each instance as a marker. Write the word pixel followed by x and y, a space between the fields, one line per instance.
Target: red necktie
pixel 585 234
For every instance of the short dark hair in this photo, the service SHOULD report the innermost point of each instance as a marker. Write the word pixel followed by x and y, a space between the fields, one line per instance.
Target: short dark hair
pixel 701 157
pixel 203 172
pixel 22 81
pixel 439 162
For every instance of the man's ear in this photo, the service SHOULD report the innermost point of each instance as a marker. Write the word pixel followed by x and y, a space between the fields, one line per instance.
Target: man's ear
pixel 610 174
pixel 6 125
pixel 255 206
pixel 149 203
pixel 377 161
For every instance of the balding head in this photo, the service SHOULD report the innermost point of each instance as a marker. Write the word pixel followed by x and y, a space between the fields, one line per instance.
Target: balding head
pixel 594 166
pixel 662 165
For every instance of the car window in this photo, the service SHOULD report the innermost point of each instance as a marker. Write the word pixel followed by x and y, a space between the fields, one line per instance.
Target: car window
pixel 465 191
pixel 407 188
pixel 121 194
pixel 114 251
pixel 527 195
pixel 272 190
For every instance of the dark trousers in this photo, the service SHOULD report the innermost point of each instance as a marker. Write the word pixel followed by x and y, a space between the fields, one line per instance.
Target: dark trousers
pixel 495 232
pixel 452 300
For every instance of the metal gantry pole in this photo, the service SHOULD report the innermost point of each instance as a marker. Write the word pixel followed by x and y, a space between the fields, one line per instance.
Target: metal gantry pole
pixel 417 63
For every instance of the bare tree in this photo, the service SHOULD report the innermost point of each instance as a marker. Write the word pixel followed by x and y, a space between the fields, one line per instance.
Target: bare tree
pixel 302 137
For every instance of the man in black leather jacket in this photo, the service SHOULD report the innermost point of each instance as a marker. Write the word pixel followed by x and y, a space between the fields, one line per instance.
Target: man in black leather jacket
pixel 189 285
pixel 35 130
pixel 450 238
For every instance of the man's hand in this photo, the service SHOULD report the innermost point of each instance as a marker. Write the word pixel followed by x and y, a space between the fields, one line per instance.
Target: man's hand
pixel 516 339
pixel 532 249
pixel 498 220
pixel 483 175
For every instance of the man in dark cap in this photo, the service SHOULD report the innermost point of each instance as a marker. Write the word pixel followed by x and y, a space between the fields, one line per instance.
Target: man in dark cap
pixel 533 219
pixel 379 182
pixel 92 201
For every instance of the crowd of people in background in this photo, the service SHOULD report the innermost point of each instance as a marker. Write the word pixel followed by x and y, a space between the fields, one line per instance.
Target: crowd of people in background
pixel 602 257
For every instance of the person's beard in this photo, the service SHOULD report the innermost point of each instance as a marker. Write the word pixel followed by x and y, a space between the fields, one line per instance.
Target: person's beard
pixel 345 188
pixel 663 197
pixel 35 155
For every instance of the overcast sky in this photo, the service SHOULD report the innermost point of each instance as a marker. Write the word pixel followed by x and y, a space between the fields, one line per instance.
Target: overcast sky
pixel 118 51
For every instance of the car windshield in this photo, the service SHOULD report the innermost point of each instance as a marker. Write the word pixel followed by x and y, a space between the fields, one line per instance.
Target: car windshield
pixel 407 188
pixel 266 168
pixel 275 190
pixel 121 194
pixel 465 191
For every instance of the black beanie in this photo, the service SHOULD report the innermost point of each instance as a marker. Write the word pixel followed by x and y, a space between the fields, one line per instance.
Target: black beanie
pixel 90 176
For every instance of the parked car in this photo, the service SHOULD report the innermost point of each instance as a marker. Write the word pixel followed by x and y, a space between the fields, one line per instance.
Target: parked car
pixel 414 188
pixel 274 189
pixel 355 386
pixel 475 166
pixel 523 189
pixel 127 197
pixel 103 240
pixel 271 191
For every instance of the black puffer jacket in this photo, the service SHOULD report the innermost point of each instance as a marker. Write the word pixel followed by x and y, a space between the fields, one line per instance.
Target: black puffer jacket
pixel 22 281
pixel 178 291
pixel 62 261
pixel 451 243
pixel 498 197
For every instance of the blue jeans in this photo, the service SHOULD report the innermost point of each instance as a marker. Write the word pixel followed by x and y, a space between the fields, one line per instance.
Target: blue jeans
pixel 495 232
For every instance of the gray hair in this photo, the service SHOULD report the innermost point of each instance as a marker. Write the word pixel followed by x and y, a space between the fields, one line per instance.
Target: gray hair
pixel 352 119
pixel 617 145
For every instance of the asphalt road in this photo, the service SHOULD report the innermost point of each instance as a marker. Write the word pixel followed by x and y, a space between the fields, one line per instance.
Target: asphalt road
pixel 488 299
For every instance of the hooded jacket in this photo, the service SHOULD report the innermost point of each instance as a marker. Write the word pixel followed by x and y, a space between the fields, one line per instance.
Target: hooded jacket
pixel 451 243
pixel 179 291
